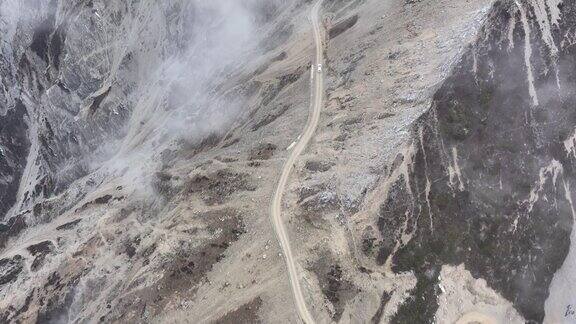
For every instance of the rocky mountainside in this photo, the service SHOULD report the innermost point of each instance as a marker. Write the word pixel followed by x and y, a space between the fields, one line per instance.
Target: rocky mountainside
pixel 141 143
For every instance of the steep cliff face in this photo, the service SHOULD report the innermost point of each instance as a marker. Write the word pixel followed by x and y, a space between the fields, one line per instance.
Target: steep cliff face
pixel 487 179
pixel 444 165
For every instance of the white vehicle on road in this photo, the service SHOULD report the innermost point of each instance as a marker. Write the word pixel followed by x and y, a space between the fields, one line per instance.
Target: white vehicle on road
pixel 319 68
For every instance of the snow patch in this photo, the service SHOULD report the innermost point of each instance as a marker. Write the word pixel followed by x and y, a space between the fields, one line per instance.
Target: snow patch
pixel 570 145
pixel 554 7
pixel 528 54
pixel 541 9
pixel 541 13
pixel 428 183
pixel 511 27
pixel 553 169
pixel 454 171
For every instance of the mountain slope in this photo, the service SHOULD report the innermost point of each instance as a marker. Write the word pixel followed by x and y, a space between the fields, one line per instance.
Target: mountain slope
pixel 142 143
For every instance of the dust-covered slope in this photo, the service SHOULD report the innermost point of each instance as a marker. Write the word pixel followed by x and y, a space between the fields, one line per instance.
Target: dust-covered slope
pixel 443 164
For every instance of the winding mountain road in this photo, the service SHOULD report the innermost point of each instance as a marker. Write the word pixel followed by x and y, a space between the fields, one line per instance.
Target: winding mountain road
pixel 276 210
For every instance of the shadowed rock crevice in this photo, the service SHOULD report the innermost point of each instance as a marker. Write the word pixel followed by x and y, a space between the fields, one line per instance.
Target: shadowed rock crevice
pixel 13 154
pixel 342 26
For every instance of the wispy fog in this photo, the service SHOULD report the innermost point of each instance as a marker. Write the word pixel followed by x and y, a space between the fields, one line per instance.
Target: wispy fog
pixel 164 71
pixel 222 35
pixel 188 97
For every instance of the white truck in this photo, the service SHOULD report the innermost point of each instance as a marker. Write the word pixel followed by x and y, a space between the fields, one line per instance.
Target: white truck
pixel 319 68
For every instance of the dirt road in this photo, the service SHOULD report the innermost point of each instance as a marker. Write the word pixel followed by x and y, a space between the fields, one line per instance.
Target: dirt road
pixel 276 212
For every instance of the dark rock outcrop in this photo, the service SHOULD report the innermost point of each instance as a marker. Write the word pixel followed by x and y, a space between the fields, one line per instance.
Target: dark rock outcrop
pixel 13 154
pixel 10 268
